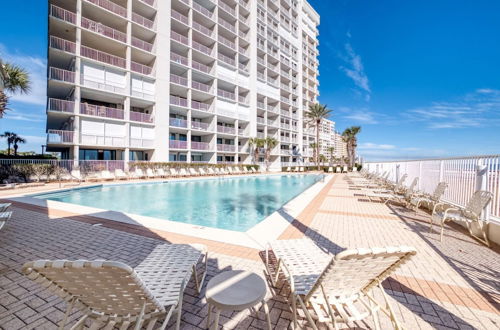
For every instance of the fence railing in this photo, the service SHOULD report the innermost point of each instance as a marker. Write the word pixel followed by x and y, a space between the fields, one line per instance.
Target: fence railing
pixel 459 173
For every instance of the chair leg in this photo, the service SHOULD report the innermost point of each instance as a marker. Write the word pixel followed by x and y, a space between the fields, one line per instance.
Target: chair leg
pixel 79 325
pixel 266 311
pixel 294 311
pixel 443 221
pixel 308 315
pixel 208 316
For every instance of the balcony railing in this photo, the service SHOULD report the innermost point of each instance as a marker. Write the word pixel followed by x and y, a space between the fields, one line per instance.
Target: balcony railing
pixel 202 10
pixel 261 120
pixel 242 132
pixel 141 143
pixel 226 147
pixel 102 85
pixel 144 45
pixel 141 68
pixel 200 145
pixel 177 144
pixel 103 30
pixel 111 6
pixel 61 105
pixel 200 67
pixel 201 86
pixel 180 17
pixel 225 94
pixel 101 140
pixel 61 75
pixel 180 101
pixel 62 44
pixel 272 108
pixel 200 106
pixel 226 59
pixel 101 111
pixel 178 59
pixel 286 126
pixel 59 136
pixel 176 122
pixel 200 28
pixel 202 48
pixel 103 57
pixel 242 99
pixel 260 135
pixel 200 125
pixel 227 42
pixel 179 37
pixel 243 149
pixel 141 20
pixel 149 2
pixel 226 129
pixel 178 80
pixel 63 14
pixel 226 8
pixel 141 117
pixel 227 25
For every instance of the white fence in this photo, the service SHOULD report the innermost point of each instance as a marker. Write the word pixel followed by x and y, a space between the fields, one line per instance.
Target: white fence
pixel 459 173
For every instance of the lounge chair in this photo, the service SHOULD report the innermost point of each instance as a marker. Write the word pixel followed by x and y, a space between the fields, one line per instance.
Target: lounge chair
pixel 183 172
pixel 288 169
pixel 160 172
pixel 4 206
pixel 346 169
pixel 211 171
pixel 330 169
pixel 334 289
pixel 4 217
pixel 338 169
pixel 139 174
pixel 193 172
pixel 301 169
pixel 120 174
pixel 471 214
pixel 174 172
pixel 245 170
pixel 107 175
pixel 150 174
pixel 113 295
pixel 404 196
pixel 202 171
pixel 77 175
pixel 428 200
pixel 253 170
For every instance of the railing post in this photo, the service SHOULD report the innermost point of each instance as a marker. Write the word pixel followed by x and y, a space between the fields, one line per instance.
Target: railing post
pixel 441 170
pixel 482 183
pixel 420 175
pixel 398 166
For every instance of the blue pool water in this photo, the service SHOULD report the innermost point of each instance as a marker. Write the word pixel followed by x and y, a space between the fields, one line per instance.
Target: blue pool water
pixel 227 203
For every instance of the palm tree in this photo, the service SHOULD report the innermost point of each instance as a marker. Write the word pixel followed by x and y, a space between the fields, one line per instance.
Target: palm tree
pixel 257 144
pixel 270 143
pixel 331 150
pixel 315 116
pixel 16 140
pixel 350 138
pixel 13 79
pixel 10 139
pixel 313 147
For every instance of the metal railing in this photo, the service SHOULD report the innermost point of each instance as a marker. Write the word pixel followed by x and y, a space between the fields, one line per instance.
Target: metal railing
pixel 177 144
pixel 176 122
pixel 202 29
pixel 200 106
pixel 180 17
pixel 111 6
pixel 200 145
pixel 59 136
pixel 178 80
pixel 141 117
pixel 179 59
pixel 180 101
pixel 200 67
pixel 226 59
pixel 179 37
pixel 201 86
pixel 141 68
pixel 226 147
pixel 226 94
pixel 103 57
pixel 226 129
pixel 198 125
pixel 62 44
pixel 459 173
pixel 61 105
pixel 202 48
pixel 141 20
pixel 227 8
pixel 61 75
pixel 104 30
pixel 144 45
pixel 62 14
pixel 202 10
pixel 101 111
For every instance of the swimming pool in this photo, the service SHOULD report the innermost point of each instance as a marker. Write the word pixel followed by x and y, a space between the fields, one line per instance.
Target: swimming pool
pixel 236 203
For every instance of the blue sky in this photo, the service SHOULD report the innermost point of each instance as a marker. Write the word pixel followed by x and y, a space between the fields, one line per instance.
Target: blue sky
pixel 422 78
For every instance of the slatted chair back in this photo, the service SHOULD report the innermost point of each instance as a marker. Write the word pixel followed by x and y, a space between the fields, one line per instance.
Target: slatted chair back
pixel 439 191
pixel 411 189
pixel 359 270
pixel 109 288
pixel 479 200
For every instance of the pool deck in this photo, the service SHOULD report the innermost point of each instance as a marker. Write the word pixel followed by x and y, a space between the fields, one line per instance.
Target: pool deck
pixel 450 285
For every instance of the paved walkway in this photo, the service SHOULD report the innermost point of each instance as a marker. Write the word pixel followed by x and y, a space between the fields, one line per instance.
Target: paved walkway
pixel 454 284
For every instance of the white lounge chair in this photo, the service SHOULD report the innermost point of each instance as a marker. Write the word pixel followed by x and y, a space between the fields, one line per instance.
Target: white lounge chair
pixel 429 200
pixel 120 174
pixel 139 174
pixel 4 206
pixel 202 171
pixel 211 171
pixel 174 172
pixel 245 170
pixel 112 294
pixel 193 172
pixel 333 289
pixel 346 169
pixel 77 175
pixel 183 172
pixel 160 172
pixel 253 169
pixel 288 169
pixel 330 169
pixel 107 175
pixel 301 169
pixel 404 197
pixel 471 214
pixel 338 169
pixel 4 217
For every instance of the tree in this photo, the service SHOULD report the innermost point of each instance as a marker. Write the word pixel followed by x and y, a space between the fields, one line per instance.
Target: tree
pixel 269 143
pixel 313 147
pixel 257 144
pixel 315 116
pixel 331 150
pixel 13 79
pixel 350 138
pixel 10 139
pixel 16 140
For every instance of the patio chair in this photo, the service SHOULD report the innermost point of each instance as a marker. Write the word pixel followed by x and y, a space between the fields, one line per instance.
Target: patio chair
pixel 245 170
pixel 183 172
pixel 346 169
pixel 253 170
pixel 211 171
pixel 301 169
pixel 338 169
pixel 120 175
pixel 403 197
pixel 77 175
pixel 288 169
pixel 470 214
pixel 429 200
pixel 193 172
pixel 160 172
pixel 4 217
pixel 150 174
pixel 139 174
pixel 202 171
pixel 107 175
pixel 4 206
pixel 113 295
pixel 330 169
pixel 337 289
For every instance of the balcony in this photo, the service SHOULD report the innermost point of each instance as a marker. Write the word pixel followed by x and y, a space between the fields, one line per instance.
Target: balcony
pixel 200 67
pixel 179 38
pixel 204 11
pixel 200 106
pixel 202 29
pixel 103 30
pixel 261 120
pixel 261 105
pixel 61 75
pixel 226 59
pixel 201 87
pixel 226 7
pixel 58 105
pixel 149 2
pixel 100 140
pixel 141 117
pixel 180 17
pixel 227 42
pixel 111 6
pixel 243 100
pixel 226 147
pixel 202 48
pixel 141 44
pixel 243 149
pixel 176 122
pixel 225 94
pixel 284 139
pixel 261 135
pixel 141 68
pixel 200 145
pixel 177 144
pixel 62 14
pixel 62 44
pixel 178 80
pixel 242 132
pixel 178 59
pixel 141 143
pixel 285 126
pixel 59 137
pixel 226 129
pixel 201 126
pixel 101 111
pixel 180 101
pixel 227 25
pixel 102 57
pixel 141 20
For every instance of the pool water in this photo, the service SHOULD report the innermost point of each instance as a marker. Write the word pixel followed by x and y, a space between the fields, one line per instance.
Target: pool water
pixel 236 203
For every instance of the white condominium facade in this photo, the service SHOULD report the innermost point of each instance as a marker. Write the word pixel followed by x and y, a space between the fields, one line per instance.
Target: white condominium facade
pixel 180 80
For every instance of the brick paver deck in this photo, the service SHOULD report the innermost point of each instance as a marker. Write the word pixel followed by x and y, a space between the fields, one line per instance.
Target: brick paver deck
pixel 454 284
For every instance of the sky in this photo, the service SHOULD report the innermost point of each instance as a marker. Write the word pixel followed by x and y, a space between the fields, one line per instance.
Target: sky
pixel 421 78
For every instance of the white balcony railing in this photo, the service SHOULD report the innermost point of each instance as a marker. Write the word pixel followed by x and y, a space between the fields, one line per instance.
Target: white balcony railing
pixel 100 140
pixel 180 101
pixel 111 6
pixel 59 136
pixel 141 117
pixel 104 30
pixel 101 111
pixel 201 126
pixel 177 144
pixel 141 143
pixel 176 122
pixel 200 145
pixel 62 14
pixel 226 129
pixel 226 147
pixel 103 57
pixel 61 75
pixel 61 105
pixel 62 44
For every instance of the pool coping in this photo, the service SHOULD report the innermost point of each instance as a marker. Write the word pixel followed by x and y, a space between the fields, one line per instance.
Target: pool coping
pixel 256 237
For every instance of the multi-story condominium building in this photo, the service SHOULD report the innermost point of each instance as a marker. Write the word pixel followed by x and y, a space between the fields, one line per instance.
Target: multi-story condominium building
pixel 340 145
pixel 180 80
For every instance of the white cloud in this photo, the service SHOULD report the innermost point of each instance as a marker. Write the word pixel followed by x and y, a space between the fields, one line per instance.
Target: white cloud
pixel 374 146
pixel 37 68
pixel 354 69
pixel 24 117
